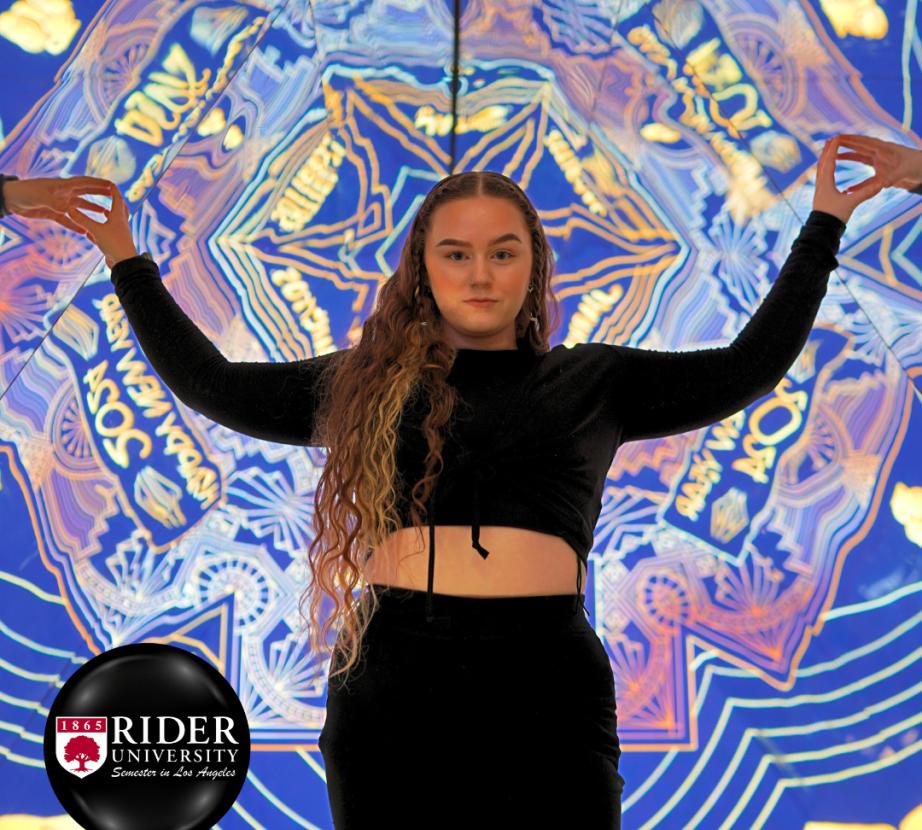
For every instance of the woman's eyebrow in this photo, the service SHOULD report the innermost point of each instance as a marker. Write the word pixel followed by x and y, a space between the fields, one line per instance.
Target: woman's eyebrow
pixel 461 244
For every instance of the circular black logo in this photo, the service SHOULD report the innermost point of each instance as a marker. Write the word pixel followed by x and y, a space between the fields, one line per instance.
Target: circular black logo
pixel 148 737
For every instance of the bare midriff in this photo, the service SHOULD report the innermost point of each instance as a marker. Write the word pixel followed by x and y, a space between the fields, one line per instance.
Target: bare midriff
pixel 521 562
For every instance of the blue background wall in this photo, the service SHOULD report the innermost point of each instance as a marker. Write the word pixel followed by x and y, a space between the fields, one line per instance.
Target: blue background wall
pixel 765 649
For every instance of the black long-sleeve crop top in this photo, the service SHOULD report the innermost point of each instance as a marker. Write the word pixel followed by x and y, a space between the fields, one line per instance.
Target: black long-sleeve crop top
pixel 535 434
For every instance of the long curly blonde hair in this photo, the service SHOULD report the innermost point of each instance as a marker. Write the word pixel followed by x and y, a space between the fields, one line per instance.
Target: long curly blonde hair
pixel 362 395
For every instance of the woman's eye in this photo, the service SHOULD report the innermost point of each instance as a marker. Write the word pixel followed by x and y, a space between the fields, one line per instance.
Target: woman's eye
pixel 461 253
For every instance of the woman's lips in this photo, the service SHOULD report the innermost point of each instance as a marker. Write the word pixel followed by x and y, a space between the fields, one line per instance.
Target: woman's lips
pixel 480 302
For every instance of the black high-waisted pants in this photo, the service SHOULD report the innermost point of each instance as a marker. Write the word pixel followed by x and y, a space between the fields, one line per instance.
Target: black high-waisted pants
pixel 500 713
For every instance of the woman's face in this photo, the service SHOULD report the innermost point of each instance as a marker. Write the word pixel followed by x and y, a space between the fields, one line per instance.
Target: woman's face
pixel 479 246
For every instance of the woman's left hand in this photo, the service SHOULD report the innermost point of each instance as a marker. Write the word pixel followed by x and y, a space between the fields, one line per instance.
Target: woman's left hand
pixel 828 197
pixel 50 198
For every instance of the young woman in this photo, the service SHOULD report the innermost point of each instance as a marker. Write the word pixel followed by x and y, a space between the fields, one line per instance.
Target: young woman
pixel 493 700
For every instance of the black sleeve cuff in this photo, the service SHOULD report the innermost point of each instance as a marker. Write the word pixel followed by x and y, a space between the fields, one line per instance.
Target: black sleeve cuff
pixel 141 262
pixel 821 219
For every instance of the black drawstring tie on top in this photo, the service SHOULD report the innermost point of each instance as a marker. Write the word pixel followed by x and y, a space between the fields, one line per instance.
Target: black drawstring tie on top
pixel 478 475
pixel 475 514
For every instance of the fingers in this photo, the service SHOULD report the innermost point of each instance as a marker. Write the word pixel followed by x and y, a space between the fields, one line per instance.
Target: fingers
pixel 90 184
pixel 56 216
pixel 867 188
pixel 884 179
pixel 87 205
pixel 825 165
pixel 118 201
pixel 61 219
pixel 116 194
pixel 865 157
pixel 82 219
pixel 853 140
pixel 874 187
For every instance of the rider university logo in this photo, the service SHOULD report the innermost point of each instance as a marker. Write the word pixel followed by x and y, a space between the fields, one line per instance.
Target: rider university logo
pixel 148 737
pixel 81 744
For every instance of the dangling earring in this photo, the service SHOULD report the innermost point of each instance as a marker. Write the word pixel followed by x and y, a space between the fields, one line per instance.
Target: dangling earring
pixel 426 290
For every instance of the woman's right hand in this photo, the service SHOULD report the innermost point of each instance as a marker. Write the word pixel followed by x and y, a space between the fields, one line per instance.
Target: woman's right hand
pixel 112 237
pixel 897 165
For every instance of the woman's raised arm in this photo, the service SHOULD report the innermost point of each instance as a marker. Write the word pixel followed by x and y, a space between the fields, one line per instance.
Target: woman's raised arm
pixel 660 393
pixel 664 393
pixel 271 401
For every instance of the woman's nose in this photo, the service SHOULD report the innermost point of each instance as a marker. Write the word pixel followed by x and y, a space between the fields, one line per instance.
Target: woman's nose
pixel 481 266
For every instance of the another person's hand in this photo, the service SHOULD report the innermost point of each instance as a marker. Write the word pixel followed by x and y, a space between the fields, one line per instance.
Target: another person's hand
pixel 828 198
pixel 112 237
pixel 897 165
pixel 53 198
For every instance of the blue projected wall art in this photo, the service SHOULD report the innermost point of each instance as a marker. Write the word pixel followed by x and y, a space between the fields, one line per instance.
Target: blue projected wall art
pixel 759 599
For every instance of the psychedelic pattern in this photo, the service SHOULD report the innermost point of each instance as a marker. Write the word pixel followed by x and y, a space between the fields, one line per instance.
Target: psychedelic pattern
pixel 756 582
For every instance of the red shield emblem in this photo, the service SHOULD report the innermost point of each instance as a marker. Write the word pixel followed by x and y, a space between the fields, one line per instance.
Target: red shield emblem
pixel 81 743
